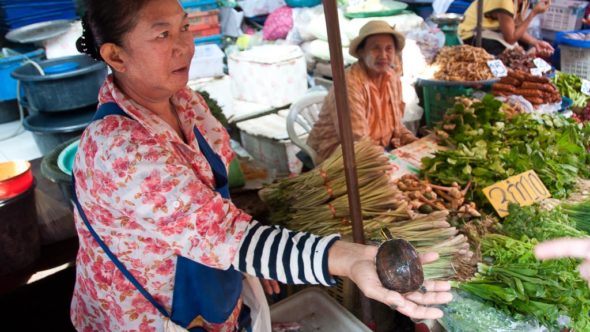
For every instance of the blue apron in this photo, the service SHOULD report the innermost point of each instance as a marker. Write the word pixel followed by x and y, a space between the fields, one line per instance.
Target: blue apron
pixel 199 291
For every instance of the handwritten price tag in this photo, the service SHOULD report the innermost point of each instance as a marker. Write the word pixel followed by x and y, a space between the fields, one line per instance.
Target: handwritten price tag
pixel 536 72
pixel 542 65
pixel 523 189
pixel 586 87
pixel 497 68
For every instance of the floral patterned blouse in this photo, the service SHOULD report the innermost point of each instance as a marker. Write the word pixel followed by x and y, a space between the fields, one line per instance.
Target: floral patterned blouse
pixel 150 197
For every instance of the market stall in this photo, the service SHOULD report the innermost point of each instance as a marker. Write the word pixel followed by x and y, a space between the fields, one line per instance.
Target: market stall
pixel 487 121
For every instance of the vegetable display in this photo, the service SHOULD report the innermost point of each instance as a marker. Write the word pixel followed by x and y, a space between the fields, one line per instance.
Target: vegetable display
pixel 516 282
pixel 484 148
pixel 570 85
pixel 539 224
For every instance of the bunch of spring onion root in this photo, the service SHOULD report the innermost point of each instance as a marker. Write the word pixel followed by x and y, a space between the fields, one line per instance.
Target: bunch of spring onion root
pixel 317 202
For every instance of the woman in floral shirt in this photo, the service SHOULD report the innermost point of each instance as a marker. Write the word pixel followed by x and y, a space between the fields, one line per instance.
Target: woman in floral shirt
pixel 148 188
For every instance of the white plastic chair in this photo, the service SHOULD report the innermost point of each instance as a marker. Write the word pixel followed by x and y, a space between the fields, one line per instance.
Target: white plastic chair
pixel 305 113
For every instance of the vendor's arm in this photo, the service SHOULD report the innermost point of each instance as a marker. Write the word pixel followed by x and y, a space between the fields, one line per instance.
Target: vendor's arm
pixel 296 257
pixel 514 32
pixel 542 48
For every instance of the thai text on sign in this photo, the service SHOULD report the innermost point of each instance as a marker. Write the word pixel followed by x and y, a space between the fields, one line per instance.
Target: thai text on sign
pixel 523 189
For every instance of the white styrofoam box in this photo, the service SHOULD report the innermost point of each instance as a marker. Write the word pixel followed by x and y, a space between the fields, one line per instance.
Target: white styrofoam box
pixel 314 310
pixel 267 140
pixel 274 75
pixel 207 62
pixel 218 88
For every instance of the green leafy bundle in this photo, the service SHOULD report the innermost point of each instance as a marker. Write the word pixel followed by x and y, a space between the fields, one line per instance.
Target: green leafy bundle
pixel 536 223
pixel 486 147
pixel 570 85
pixel 519 284
pixel 579 213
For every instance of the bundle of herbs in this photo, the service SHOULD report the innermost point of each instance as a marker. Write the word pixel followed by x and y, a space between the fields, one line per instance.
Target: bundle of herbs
pixel 539 224
pixel 515 281
pixel 486 148
pixel 579 214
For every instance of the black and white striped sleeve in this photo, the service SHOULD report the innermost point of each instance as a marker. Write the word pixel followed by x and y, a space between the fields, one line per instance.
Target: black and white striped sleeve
pixel 274 252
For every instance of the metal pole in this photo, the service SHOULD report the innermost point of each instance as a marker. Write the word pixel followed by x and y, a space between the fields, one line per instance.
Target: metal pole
pixel 479 23
pixel 354 202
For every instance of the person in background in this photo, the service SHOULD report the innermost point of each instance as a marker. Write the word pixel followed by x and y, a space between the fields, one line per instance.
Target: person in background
pixel 162 246
pixel 504 25
pixel 374 94
pixel 567 247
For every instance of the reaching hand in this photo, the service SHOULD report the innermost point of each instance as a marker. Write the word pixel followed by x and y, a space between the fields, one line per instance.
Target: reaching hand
pixel 542 6
pixel 567 247
pixel 544 49
pixel 415 304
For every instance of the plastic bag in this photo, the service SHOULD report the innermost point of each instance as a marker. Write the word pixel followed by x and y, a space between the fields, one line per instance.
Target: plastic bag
pixel 429 39
pixel 278 24
pixel 467 313
pixel 441 6
pixel 254 298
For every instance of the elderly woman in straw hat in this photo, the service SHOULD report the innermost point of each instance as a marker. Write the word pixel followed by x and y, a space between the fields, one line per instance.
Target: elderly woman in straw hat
pixel 374 94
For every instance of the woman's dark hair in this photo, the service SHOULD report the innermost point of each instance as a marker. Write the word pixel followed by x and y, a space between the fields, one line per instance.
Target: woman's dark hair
pixel 107 22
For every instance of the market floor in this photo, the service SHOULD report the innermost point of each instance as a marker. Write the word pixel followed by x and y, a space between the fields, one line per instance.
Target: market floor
pixel 41 306
pixel 18 147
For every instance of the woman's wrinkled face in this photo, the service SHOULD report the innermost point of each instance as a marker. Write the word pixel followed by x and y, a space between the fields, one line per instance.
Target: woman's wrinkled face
pixel 379 53
pixel 158 51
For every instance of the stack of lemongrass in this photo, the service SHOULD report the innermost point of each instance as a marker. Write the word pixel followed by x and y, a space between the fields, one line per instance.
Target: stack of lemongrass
pixel 318 199
pixel 430 233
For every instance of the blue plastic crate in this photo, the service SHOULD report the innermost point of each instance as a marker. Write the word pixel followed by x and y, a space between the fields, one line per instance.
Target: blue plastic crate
pixel 200 5
pixel 560 39
pixel 215 39
pixel 8 65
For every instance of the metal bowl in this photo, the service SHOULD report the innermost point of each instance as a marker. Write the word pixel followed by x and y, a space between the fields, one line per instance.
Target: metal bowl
pixel 447 18
pixel 38 32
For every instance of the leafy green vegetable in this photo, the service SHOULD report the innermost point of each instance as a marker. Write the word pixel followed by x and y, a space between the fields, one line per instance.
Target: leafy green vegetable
pixel 580 214
pixel 570 85
pixel 536 223
pixel 517 283
pixel 486 147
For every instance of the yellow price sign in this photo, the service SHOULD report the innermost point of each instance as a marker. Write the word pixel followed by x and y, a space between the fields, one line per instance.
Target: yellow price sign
pixel 523 189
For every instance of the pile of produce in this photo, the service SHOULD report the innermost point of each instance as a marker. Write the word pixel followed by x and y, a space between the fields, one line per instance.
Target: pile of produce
pixel 485 148
pixel 579 214
pixel 463 63
pixel 321 194
pixel 517 59
pixel 536 223
pixel 515 281
pixel 536 89
pixel 317 202
pixel 425 197
pixel 570 85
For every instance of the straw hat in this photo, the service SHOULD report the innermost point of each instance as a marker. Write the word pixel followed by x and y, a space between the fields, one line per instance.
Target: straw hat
pixel 375 28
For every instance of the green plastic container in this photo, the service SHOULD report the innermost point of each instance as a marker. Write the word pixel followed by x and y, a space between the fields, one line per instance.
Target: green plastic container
pixel 439 96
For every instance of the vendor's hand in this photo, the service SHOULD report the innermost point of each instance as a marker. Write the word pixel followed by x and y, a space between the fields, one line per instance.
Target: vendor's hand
pixel 567 247
pixel 271 287
pixel 542 6
pixel 415 304
pixel 543 49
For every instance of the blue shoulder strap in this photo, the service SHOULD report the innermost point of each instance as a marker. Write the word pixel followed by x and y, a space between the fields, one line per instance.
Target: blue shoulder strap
pixel 108 109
